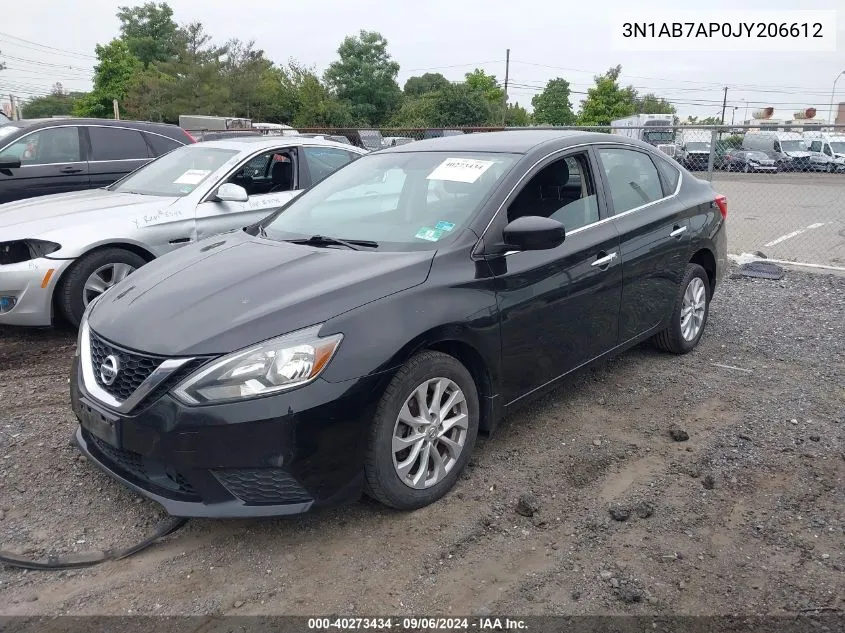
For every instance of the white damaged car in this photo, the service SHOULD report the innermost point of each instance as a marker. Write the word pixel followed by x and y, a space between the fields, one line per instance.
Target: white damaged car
pixel 59 252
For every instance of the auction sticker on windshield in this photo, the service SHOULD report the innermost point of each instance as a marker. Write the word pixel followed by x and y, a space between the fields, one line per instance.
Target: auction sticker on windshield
pixel 460 169
pixel 192 177
pixel 426 233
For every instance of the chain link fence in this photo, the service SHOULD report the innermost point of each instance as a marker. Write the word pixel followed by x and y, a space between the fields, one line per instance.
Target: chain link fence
pixel 785 183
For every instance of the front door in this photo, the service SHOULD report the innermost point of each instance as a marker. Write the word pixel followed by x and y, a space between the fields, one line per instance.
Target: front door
pixel 654 230
pixel 51 162
pixel 270 180
pixel 558 308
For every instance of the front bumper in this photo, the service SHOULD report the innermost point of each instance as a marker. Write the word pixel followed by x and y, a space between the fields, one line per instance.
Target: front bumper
pixel 278 455
pixel 25 282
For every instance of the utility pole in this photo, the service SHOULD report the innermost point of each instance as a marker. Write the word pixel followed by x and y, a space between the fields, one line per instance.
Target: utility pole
pixel 505 98
pixel 116 109
pixel 12 106
pixel 724 105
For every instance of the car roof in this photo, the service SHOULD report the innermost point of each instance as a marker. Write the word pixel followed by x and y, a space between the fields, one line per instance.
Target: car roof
pixel 508 141
pixel 253 142
pixel 46 122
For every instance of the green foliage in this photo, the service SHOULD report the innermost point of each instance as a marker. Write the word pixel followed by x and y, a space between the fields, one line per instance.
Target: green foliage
pixel 57 103
pixel 517 116
pixel 652 104
pixel 149 31
pixel 734 140
pixel 708 120
pixel 607 101
pixel 459 105
pixel 552 106
pixel 429 82
pixel 112 77
pixel 365 78
pixel 415 112
pixel 487 85
pixel 312 101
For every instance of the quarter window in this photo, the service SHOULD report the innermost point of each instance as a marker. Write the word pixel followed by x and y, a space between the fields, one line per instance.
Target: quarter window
pixel 113 143
pixel 162 144
pixel 46 147
pixel 563 190
pixel 632 178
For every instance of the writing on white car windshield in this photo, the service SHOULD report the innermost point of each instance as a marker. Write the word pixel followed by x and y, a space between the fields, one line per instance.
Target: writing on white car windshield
pixel 403 201
pixel 175 174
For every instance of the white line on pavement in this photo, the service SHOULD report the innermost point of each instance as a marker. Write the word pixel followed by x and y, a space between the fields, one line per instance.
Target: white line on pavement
pixel 789 236
pixel 744 258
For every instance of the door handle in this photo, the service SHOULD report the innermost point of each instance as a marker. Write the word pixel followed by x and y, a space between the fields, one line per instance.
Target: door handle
pixel 70 170
pixel 679 230
pixel 604 261
pixel 181 240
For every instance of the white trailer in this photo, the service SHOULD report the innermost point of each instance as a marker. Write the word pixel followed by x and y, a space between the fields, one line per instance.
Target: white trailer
pixel 654 129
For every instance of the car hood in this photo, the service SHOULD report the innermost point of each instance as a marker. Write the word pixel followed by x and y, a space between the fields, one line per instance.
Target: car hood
pixel 234 290
pixel 31 217
pixel 798 154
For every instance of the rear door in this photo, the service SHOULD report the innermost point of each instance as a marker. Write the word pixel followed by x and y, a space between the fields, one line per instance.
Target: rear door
pixel 320 162
pixel 114 152
pixel 160 144
pixel 270 179
pixel 52 161
pixel 653 227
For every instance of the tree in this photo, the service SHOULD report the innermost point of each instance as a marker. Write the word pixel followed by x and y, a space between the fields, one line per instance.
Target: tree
pixel 149 31
pixel 57 103
pixel 652 104
pixel 459 105
pixel 552 106
pixel 415 112
pixel 112 78
pixel 424 84
pixel 606 101
pixel 365 77
pixel 314 105
pixel 708 120
pixel 517 116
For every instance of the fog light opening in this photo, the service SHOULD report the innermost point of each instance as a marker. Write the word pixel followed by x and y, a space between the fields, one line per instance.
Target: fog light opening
pixel 7 303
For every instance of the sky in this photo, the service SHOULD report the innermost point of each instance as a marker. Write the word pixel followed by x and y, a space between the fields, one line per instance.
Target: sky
pixel 45 41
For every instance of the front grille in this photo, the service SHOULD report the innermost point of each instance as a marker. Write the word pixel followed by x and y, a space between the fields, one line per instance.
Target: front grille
pixel 134 368
pixel 262 485
pixel 138 466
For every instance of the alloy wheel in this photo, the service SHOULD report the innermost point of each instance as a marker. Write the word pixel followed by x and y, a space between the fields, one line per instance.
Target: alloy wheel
pixel 104 278
pixel 693 307
pixel 430 433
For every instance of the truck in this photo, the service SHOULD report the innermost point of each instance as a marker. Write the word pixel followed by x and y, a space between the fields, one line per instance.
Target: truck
pixel 199 124
pixel 654 129
pixel 787 149
pixel 693 148
pixel 827 150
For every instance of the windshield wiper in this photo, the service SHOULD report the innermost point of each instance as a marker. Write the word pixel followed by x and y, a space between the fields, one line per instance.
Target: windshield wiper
pixel 323 240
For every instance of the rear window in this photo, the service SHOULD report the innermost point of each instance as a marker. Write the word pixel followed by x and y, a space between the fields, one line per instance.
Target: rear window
pixel 161 144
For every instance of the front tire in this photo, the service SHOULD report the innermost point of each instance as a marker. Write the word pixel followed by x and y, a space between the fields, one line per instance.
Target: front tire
pixel 689 314
pixel 423 433
pixel 91 275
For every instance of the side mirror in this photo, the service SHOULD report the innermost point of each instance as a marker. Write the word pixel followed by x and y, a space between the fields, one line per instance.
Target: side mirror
pixel 9 163
pixel 534 233
pixel 231 193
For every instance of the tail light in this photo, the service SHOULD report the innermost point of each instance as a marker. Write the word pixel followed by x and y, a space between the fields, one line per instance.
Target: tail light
pixel 722 202
pixel 190 136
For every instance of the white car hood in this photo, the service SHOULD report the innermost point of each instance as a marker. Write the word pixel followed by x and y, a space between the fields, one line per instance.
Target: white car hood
pixel 33 217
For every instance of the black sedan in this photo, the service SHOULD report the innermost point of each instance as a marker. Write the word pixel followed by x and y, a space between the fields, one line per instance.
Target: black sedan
pixel 361 337
pixel 748 161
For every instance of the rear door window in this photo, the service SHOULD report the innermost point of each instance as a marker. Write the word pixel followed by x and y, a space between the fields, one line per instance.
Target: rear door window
pixel 632 177
pixel 323 161
pixel 113 143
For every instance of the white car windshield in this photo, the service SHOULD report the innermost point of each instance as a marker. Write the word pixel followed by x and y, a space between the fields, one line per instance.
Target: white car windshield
pixel 793 146
pixel 177 173
pixel 838 147
pixel 399 201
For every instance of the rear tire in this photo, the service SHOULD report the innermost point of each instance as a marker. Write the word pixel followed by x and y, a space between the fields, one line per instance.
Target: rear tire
pixel 72 296
pixel 391 463
pixel 689 314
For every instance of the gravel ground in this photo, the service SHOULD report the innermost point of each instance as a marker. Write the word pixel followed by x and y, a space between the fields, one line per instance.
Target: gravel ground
pixel 650 484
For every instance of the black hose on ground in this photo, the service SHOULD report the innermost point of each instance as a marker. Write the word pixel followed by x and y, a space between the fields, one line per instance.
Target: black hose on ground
pixel 76 561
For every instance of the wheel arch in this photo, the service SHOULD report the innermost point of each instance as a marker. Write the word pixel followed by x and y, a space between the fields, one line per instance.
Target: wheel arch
pixel 705 258
pixel 142 252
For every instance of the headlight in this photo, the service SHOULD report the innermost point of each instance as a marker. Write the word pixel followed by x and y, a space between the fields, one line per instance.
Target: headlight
pixel 83 324
pixel 25 250
pixel 275 365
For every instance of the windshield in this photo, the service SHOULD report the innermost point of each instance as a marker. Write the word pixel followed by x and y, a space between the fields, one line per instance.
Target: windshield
pixel 756 155
pixel 666 136
pixel 838 147
pixel 403 201
pixel 698 147
pixel 7 129
pixel 177 173
pixel 792 146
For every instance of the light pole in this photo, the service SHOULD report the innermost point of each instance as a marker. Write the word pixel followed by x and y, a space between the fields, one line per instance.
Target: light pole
pixel 746 110
pixel 832 93
pixel 733 114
